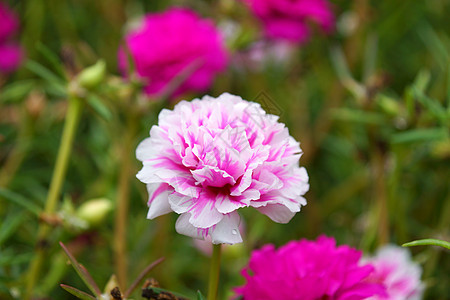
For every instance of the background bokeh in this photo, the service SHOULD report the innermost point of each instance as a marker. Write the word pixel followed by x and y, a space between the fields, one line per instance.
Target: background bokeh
pixel 370 104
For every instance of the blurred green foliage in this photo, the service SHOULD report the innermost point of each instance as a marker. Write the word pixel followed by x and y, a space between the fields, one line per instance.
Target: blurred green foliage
pixel 370 105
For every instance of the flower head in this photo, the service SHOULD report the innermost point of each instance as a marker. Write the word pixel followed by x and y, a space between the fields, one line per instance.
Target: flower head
pixel 288 19
pixel 397 272
pixel 10 51
pixel 176 45
pixel 209 157
pixel 307 270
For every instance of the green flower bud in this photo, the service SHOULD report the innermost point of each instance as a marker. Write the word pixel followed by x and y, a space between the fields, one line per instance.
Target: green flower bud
pixel 92 76
pixel 388 105
pixel 94 211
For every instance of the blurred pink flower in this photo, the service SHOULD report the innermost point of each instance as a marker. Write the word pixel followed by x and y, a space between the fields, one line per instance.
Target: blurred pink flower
pixel 10 51
pixel 174 43
pixel 307 270
pixel 288 19
pixel 209 157
pixel 395 269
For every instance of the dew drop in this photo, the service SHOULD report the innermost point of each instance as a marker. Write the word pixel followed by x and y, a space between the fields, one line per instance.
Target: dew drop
pixel 234 231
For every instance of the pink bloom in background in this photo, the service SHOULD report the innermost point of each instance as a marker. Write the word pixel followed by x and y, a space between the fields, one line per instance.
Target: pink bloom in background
pixel 176 45
pixel 288 19
pixel 209 157
pixel 10 51
pixel 395 269
pixel 307 270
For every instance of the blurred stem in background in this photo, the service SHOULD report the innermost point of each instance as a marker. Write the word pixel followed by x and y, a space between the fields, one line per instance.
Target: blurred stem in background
pixel 123 198
pixel 59 173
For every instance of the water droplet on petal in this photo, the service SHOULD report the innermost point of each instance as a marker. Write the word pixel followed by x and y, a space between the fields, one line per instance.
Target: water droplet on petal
pixel 234 231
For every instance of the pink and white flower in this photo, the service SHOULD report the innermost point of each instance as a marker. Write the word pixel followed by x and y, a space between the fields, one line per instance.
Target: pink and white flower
pixel 395 269
pixel 308 270
pixel 175 45
pixel 207 158
pixel 288 19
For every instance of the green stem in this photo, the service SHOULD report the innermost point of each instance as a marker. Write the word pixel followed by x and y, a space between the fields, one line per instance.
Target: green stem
pixel 123 199
pixel 59 173
pixel 214 273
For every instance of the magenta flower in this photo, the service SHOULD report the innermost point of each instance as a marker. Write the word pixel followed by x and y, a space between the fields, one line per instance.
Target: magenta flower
pixel 398 273
pixel 288 19
pixel 208 158
pixel 10 51
pixel 176 45
pixel 307 270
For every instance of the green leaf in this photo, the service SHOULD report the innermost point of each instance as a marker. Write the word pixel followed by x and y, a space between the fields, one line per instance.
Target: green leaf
pixel 77 293
pixel 434 44
pixel 200 296
pixel 17 90
pixel 428 242
pixel 358 116
pixel 99 107
pixel 52 79
pixel 53 59
pixel 421 81
pixel 43 72
pixel 82 272
pixel 431 105
pixel 14 258
pixel 10 225
pixel 419 135
pixel 20 200
pixel 141 276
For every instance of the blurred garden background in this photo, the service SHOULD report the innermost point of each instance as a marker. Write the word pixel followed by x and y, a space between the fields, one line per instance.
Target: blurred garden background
pixel 368 99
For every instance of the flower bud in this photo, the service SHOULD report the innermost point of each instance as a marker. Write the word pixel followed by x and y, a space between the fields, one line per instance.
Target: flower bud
pixel 94 211
pixel 92 76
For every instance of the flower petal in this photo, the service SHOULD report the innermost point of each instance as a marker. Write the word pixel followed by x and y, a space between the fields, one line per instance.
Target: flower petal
pixel 277 212
pixel 227 230
pixel 183 226
pixel 158 201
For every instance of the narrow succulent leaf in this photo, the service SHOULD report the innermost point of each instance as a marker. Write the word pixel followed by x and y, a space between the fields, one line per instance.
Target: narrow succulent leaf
pixel 44 73
pixel 91 281
pixel 422 81
pixel 431 105
pixel 428 242
pixel 419 135
pixel 370 57
pixel 53 59
pixel 16 91
pixel 9 226
pixel 343 72
pixel 200 296
pixel 434 44
pixel 99 107
pixel 77 293
pixel 20 200
pixel 82 272
pixel 14 259
pixel 141 277
pixel 358 116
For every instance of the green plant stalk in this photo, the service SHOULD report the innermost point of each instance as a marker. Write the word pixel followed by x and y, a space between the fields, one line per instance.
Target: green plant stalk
pixel 382 221
pixel 123 199
pixel 59 173
pixel 214 272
